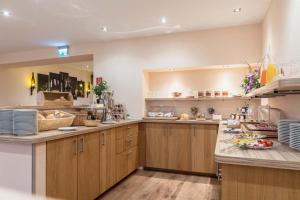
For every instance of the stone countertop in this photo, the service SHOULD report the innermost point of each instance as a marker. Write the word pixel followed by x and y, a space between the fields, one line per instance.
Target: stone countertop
pixel 281 156
pixel 56 134
pixel 181 121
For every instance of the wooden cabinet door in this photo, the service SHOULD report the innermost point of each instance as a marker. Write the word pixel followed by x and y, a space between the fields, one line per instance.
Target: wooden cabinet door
pixel 156 145
pixel 62 168
pixel 132 160
pixel 179 151
pixel 203 147
pixel 122 166
pixel 107 159
pixel 88 166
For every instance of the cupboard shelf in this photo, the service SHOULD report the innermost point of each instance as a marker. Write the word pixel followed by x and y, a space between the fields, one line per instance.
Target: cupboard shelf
pixel 199 99
pixel 280 87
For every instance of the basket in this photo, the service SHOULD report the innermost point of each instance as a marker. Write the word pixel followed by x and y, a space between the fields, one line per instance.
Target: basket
pixel 79 119
pixel 92 123
pixel 53 124
pixel 55 99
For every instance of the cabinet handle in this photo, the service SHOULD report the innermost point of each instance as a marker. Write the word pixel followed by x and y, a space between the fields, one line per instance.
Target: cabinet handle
pixel 129 152
pixel 103 139
pixel 75 147
pixel 81 145
pixel 128 127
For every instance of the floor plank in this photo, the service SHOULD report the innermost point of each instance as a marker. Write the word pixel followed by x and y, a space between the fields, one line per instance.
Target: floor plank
pixel 153 185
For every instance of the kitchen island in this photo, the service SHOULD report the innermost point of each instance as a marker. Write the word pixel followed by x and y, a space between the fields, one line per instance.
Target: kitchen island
pixel 257 174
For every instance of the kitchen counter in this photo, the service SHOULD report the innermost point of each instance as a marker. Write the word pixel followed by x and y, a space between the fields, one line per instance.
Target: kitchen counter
pixel 181 121
pixel 280 156
pixel 55 134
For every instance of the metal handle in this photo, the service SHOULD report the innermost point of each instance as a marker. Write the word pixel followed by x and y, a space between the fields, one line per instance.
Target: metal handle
pixel 81 140
pixel 75 147
pixel 128 127
pixel 103 139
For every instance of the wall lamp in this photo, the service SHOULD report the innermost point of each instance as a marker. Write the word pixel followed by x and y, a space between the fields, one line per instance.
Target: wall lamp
pixel 88 91
pixel 32 84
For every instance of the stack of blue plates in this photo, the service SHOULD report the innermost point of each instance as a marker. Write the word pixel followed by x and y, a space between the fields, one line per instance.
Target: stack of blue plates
pixel 295 136
pixel 284 130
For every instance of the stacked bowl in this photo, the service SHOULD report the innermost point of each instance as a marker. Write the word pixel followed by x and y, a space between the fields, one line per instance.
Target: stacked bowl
pixel 289 132
pixel 295 136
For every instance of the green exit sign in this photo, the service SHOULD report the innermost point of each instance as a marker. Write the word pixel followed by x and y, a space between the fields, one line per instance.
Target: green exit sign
pixel 63 51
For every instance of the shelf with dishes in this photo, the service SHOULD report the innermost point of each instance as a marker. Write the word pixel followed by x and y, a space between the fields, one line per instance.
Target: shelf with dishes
pixel 197 99
pixel 280 87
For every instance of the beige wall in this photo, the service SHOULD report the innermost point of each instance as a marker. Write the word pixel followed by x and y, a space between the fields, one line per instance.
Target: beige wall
pixel 15 83
pixel 281 31
pixel 122 62
pixel 164 83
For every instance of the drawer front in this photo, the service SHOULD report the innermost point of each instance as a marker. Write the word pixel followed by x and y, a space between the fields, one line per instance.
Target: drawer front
pixel 131 141
pixel 120 146
pixel 120 132
pixel 132 129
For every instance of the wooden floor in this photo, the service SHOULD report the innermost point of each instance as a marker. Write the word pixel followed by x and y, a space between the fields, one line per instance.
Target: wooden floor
pixel 146 185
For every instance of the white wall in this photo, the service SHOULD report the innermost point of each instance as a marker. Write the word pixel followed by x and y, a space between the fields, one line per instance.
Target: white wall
pixel 15 83
pixel 165 83
pixel 281 39
pixel 122 62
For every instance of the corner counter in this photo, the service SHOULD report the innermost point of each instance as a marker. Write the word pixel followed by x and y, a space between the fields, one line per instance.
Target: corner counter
pixel 257 174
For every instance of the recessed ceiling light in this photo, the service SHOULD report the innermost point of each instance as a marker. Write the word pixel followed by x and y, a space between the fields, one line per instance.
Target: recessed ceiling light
pixel 104 28
pixel 237 10
pixel 163 20
pixel 6 13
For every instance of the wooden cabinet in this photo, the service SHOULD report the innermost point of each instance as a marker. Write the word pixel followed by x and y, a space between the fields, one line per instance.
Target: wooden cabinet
pixel 83 167
pixel 203 147
pixel 107 159
pixel 73 167
pixel 61 173
pixel 156 145
pixel 88 166
pixel 126 149
pixel 179 147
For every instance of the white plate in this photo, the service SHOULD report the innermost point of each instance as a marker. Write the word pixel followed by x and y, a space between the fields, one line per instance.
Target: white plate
pixel 67 128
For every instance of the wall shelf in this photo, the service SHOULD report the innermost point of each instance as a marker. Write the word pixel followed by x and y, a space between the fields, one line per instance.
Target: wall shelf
pixel 280 87
pixel 198 99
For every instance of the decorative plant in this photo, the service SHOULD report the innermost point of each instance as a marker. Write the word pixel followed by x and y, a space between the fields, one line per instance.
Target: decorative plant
pixel 251 80
pixel 100 88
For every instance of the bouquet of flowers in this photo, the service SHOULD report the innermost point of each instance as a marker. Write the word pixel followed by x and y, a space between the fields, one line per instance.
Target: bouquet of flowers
pixel 251 80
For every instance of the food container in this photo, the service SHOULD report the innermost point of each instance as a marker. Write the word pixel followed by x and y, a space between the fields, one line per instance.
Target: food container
pixel 201 94
pixel 54 123
pixel 209 93
pixel 91 123
pixel 176 94
pixel 225 93
pixel 217 93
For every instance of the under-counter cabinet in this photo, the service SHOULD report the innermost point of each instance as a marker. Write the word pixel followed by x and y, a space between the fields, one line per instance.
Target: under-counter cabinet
pixel 73 167
pixel 181 147
pixel 203 144
pixel 156 145
pixel 126 147
pixel 107 159
pixel 62 168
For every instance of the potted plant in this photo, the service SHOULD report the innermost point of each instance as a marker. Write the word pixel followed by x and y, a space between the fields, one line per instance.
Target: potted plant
pixel 99 89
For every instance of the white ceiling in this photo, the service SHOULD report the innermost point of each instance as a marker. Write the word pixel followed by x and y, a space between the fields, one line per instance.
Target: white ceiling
pixel 45 23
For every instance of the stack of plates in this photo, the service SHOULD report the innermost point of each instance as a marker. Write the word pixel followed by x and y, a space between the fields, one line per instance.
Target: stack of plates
pixel 284 130
pixel 295 136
